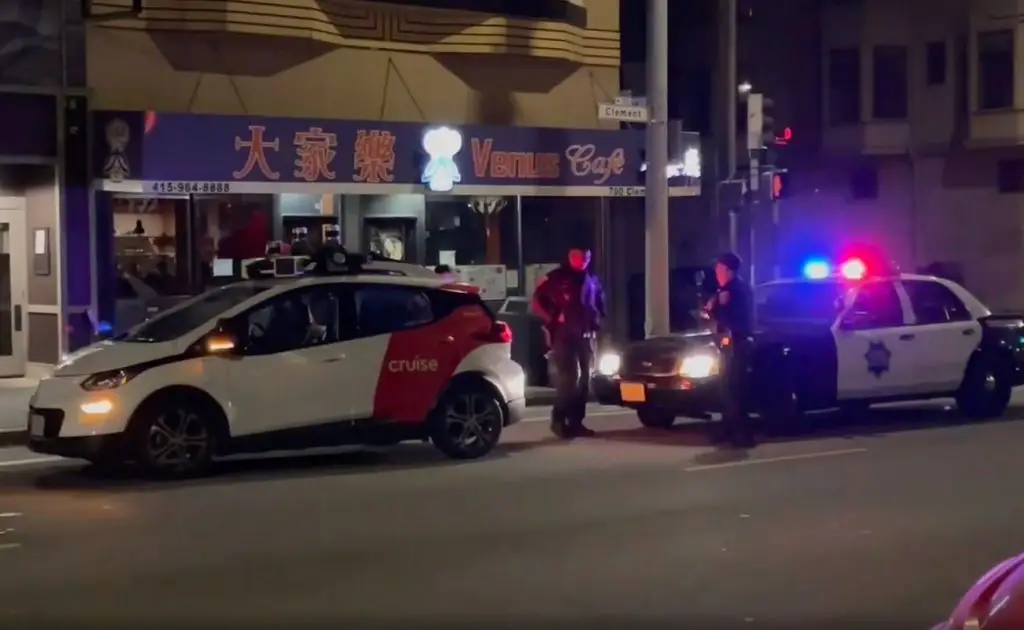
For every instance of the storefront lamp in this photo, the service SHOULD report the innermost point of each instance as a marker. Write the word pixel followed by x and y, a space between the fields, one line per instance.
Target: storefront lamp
pixel 441 145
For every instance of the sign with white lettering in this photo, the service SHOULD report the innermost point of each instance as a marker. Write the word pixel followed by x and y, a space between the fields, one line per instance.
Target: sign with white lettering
pixel 625 113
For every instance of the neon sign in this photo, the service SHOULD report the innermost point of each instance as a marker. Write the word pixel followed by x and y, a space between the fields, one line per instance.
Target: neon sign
pixel 441 172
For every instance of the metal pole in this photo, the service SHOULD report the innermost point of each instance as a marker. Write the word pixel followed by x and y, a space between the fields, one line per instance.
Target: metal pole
pixel 727 72
pixel 521 269
pixel 656 194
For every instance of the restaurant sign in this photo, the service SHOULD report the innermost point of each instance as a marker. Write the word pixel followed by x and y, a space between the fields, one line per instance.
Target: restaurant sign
pixel 171 154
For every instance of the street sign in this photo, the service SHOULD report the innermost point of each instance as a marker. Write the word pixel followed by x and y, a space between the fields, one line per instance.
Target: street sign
pixel 624 113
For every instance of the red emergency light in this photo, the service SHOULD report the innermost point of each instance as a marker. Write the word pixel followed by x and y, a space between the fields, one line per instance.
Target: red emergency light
pixel 853 269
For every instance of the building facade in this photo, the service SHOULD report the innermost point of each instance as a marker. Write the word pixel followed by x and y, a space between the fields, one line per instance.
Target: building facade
pixel 916 147
pixel 439 133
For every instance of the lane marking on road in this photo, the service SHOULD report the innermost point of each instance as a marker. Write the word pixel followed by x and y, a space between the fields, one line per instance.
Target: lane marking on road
pixel 9 546
pixel 10 514
pixel 776 460
pixel 29 461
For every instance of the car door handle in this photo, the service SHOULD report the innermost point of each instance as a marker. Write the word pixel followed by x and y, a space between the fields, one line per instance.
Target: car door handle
pixel 967 332
pixel 906 336
pixel 333 360
pixel 448 339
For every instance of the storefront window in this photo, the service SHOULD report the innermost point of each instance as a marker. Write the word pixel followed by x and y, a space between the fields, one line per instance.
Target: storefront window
pixel 470 231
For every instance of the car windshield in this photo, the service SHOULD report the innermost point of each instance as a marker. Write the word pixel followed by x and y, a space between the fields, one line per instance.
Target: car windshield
pixel 797 301
pixel 189 315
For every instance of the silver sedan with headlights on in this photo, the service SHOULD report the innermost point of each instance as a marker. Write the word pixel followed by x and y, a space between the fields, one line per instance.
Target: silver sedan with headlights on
pixel 662 378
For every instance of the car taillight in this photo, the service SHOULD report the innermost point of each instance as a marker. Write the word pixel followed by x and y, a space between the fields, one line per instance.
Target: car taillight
pixel 502 332
pixel 498 333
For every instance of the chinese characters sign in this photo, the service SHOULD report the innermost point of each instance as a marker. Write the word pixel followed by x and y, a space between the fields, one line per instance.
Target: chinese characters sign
pixel 245 154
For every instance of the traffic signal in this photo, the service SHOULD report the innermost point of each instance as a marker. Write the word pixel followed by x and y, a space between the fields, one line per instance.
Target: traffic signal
pixel 767 121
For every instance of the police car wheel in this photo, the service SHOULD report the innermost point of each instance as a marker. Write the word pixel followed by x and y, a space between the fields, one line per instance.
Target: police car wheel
pixel 173 438
pixel 656 418
pixel 986 389
pixel 468 422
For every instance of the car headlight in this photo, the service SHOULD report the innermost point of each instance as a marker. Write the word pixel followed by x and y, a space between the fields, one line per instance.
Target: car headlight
pixel 699 366
pixel 107 380
pixel 609 364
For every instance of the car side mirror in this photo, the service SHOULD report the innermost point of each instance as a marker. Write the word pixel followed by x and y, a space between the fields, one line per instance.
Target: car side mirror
pixel 855 320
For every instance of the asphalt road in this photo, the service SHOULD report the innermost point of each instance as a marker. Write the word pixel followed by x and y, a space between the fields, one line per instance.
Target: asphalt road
pixel 886 524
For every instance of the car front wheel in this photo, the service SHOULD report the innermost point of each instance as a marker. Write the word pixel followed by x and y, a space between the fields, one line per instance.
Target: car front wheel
pixel 174 438
pixel 468 422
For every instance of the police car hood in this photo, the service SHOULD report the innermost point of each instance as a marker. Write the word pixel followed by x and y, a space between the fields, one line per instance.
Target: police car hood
pixel 111 355
pixel 672 343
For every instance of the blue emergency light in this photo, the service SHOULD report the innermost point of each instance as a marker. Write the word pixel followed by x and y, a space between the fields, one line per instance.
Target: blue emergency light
pixel 817 269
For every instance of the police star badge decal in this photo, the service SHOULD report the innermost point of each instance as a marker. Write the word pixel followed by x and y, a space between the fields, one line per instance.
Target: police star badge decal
pixel 878 357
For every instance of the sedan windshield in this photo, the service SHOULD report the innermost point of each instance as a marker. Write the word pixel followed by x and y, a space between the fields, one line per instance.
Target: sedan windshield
pixel 814 302
pixel 192 314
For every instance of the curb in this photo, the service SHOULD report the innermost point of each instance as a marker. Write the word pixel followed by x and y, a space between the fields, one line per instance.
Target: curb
pixel 17 437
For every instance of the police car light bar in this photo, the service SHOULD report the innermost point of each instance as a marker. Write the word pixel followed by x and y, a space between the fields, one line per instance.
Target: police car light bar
pixel 850 269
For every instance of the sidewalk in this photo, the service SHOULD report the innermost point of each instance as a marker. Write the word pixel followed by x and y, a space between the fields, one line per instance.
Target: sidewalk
pixel 15 393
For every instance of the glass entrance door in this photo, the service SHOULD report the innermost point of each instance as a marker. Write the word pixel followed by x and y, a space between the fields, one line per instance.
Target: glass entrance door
pixel 13 280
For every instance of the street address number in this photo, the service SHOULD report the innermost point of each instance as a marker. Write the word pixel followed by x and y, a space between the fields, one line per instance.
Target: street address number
pixel 190 188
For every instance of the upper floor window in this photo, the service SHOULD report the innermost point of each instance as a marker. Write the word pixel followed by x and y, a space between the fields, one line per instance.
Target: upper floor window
pixel 935 60
pixel 844 86
pixel 889 97
pixel 995 69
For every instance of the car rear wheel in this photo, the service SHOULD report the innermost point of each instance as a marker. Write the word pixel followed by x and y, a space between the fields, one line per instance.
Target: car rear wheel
pixel 174 438
pixel 468 422
pixel 986 389
pixel 656 418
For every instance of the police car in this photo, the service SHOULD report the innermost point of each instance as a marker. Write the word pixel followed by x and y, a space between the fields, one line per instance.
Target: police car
pixel 842 338
pixel 339 351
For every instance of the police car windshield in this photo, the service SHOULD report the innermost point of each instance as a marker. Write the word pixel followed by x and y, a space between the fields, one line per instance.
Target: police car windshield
pixel 813 302
pixel 188 316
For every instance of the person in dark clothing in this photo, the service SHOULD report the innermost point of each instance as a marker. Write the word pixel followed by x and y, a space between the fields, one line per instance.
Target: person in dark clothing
pixel 570 303
pixel 732 311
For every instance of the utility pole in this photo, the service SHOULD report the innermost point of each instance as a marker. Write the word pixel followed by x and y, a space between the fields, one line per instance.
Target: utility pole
pixel 656 181
pixel 727 93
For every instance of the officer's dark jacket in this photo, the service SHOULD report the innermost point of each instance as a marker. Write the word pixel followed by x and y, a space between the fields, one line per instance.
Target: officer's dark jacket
pixel 576 295
pixel 735 316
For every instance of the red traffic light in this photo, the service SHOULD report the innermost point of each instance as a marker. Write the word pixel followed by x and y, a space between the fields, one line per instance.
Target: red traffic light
pixel 787 135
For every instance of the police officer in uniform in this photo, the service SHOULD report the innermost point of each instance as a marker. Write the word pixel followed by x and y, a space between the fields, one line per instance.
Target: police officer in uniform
pixel 732 311
pixel 570 303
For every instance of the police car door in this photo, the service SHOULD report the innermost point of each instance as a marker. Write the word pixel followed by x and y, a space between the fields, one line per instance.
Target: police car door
pixel 945 332
pixel 874 348
pixel 286 375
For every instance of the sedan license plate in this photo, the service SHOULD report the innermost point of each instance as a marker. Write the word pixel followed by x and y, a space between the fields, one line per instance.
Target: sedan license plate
pixel 36 425
pixel 633 392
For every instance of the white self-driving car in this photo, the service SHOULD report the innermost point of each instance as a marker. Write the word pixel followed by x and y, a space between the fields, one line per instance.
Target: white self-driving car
pixel 349 355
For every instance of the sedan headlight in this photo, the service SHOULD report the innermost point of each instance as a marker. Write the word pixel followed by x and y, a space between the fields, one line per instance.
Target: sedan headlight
pixel 107 380
pixel 699 366
pixel 609 364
